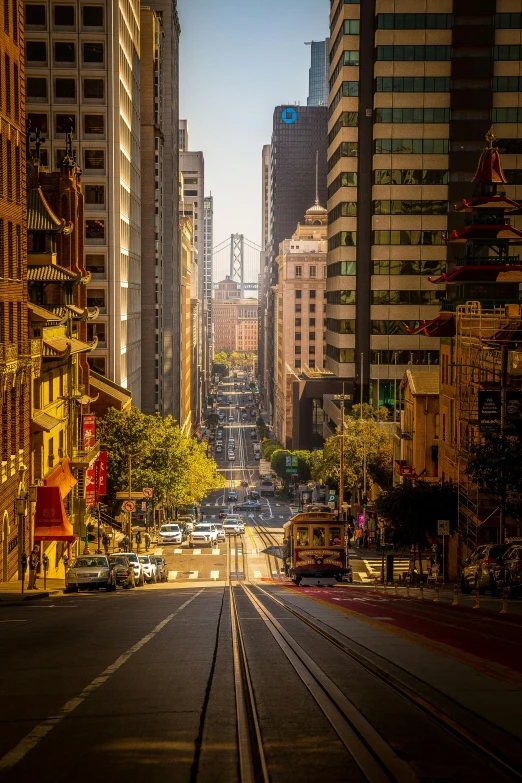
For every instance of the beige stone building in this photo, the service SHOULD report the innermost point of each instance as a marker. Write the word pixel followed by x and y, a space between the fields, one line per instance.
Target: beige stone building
pixel 419 434
pixel 186 326
pixel 235 320
pixel 299 311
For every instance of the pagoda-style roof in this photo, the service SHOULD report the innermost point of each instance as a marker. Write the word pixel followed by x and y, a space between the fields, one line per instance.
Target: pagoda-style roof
pixel 497 201
pixel 486 232
pixel 42 314
pixel 489 169
pixel 52 273
pixel 441 326
pixel 77 313
pixel 489 273
pixel 62 347
pixel 509 335
pixel 40 216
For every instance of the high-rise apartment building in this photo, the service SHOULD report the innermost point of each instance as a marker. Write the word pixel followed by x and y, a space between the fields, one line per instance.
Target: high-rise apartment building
pixel 318 73
pixel 152 160
pixel 298 154
pixel 413 89
pixel 82 76
pixel 208 242
pixel 15 349
pixel 170 351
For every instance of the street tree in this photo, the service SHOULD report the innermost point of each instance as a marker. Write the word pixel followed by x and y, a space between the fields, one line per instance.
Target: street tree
pixel 369 412
pixel 269 446
pixel 495 466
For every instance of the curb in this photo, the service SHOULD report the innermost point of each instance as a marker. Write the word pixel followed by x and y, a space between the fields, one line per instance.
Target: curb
pixel 38 597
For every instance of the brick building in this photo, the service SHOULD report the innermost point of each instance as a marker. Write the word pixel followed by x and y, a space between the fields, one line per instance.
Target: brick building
pixel 15 348
pixel 235 320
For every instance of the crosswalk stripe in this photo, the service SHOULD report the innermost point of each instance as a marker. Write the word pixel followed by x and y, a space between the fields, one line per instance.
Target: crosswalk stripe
pixel 193 574
pixel 214 574
pixel 158 551
pixel 232 551
pixel 196 551
pixel 172 575
pixel 216 551
pixel 178 551
pixel 257 575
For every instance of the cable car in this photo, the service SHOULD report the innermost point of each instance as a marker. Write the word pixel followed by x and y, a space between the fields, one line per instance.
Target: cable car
pixel 314 550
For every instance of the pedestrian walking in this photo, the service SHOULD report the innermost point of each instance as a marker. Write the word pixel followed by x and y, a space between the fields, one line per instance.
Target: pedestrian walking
pixel 138 541
pixel 34 567
pixel 106 541
pixel 147 540
pixel 124 544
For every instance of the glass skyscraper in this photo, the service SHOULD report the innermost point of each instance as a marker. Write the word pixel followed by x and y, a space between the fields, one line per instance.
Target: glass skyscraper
pixel 318 73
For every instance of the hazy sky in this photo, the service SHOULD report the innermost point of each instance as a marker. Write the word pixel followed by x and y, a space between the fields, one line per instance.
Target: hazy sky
pixel 239 59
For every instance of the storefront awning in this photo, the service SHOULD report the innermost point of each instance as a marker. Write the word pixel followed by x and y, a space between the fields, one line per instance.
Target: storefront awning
pixel 62 478
pixel 50 519
pixel 44 422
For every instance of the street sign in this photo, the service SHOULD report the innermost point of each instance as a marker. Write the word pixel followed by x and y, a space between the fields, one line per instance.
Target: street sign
pixel 443 527
pixel 291 470
pixel 331 497
pixel 295 462
pixel 126 496
pixel 147 492
pixel 129 506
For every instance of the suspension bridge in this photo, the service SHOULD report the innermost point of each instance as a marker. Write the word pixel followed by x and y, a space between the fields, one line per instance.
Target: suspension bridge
pixel 237 257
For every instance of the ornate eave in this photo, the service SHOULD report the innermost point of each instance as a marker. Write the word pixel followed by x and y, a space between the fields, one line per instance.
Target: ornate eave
pixel 486 273
pixel 441 326
pixel 485 232
pixel 63 347
pixel 488 203
pixel 40 216
pixel 76 313
pixel 52 273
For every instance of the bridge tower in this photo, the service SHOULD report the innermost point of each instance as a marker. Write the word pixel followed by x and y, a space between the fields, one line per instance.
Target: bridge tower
pixel 237 258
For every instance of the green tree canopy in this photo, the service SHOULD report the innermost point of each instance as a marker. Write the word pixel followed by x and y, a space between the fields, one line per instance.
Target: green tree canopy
pixel 304 464
pixel 495 466
pixel 369 412
pixel 162 457
pixel 269 446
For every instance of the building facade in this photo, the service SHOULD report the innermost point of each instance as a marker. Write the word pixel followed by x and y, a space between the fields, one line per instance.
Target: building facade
pixel 264 269
pixel 82 76
pixel 235 319
pixel 413 89
pixel 153 293
pixel 208 244
pixel 299 311
pixel 15 347
pixel 185 338
pixel 318 73
pixel 299 141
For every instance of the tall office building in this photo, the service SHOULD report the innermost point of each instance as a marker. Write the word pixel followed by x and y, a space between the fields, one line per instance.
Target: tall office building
pixel 264 268
pixel 318 73
pixel 170 351
pixel 152 152
pixel 299 141
pixel 411 98
pixel 192 166
pixel 82 75
pixel 208 242
pixel 15 349
pixel 183 138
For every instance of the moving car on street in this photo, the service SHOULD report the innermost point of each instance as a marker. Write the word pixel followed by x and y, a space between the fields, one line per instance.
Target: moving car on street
pixel 149 569
pixel 476 572
pixel 90 572
pixel 250 505
pixel 204 533
pixel 233 526
pixel 169 534
pixel 232 495
pixel 123 571
pixel 220 531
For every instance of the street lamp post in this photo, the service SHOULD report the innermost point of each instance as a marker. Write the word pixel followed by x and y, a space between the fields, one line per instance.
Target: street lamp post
pixel 21 510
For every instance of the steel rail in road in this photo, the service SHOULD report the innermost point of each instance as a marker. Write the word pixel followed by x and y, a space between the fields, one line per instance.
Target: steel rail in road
pixel 455 727
pixel 375 757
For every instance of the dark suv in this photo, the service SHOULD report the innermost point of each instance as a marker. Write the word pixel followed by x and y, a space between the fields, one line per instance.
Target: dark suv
pixel 476 571
pixel 507 571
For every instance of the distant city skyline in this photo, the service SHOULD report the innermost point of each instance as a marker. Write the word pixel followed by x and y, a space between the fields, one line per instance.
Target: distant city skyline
pixel 253 61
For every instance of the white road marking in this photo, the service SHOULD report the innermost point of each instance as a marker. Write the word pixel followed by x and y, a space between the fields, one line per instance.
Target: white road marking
pixel 196 551
pixel 214 574
pixel 172 575
pixel 178 551
pixel 232 551
pixel 158 551
pixel 40 731
pixel 216 551
pixel 257 575
pixel 193 574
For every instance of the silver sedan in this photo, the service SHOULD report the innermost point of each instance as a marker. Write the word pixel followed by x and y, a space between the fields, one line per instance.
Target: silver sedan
pixel 90 571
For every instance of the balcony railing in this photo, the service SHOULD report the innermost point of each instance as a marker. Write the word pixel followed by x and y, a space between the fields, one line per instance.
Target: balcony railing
pixel 83 459
pixel 485 260
pixel 450 305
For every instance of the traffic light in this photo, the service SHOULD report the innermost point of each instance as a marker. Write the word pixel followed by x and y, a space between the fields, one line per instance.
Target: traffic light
pixel 372 515
pixel 365 501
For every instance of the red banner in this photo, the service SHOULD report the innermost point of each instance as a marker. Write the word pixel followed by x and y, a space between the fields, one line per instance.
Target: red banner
pixel 101 475
pixel 89 431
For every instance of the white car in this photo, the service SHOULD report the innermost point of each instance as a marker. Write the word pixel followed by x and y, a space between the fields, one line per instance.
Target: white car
pixel 220 531
pixel 230 418
pixel 133 559
pixel 169 534
pixel 204 533
pixel 231 526
pixel 231 456
pixel 149 569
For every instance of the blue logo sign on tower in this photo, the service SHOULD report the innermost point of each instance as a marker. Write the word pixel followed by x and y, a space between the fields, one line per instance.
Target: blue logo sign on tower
pixel 289 115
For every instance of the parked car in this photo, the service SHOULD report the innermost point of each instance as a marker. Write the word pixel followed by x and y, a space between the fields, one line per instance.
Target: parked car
pixel 232 495
pixel 203 533
pixel 169 534
pixel 161 564
pixel 123 571
pixel 507 571
pixel 219 449
pixel 139 575
pixel 251 505
pixel 149 569
pixel 220 531
pixel 90 571
pixel 477 568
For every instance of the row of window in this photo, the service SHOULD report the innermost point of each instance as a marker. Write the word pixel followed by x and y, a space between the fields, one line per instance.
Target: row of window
pixel 347 119
pixel 298 321
pixel 339 8
pixel 346 90
pixel 65 89
pixel 346 179
pixel 414 21
pixel 393 327
pixel 343 239
pixel 349 57
pixel 10 251
pixel 410 207
pixel 389 267
pixel 349 27
pixel 408 237
pixel 343 209
pixel 507 52
pixel 410 177
pixel 347 149
pixel 341 355
pixel 10 86
pixel 312 271
pixel 93 160
pixel 412 84
pixel 298 337
pixel 64 16
pixel 11 19
pixel 412 115
pixel 341 325
pixel 413 53
pixel 404 357
pixel 10 170
pixel 93 124
pixel 411 146
pixel 407 297
pixel 311 349
pixel 341 297
pixel 65 52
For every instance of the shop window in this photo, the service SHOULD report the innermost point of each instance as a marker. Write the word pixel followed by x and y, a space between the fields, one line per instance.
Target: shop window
pixel 35 52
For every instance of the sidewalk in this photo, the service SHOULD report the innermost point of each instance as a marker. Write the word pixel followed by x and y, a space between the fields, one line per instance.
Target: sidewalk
pixel 11 592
